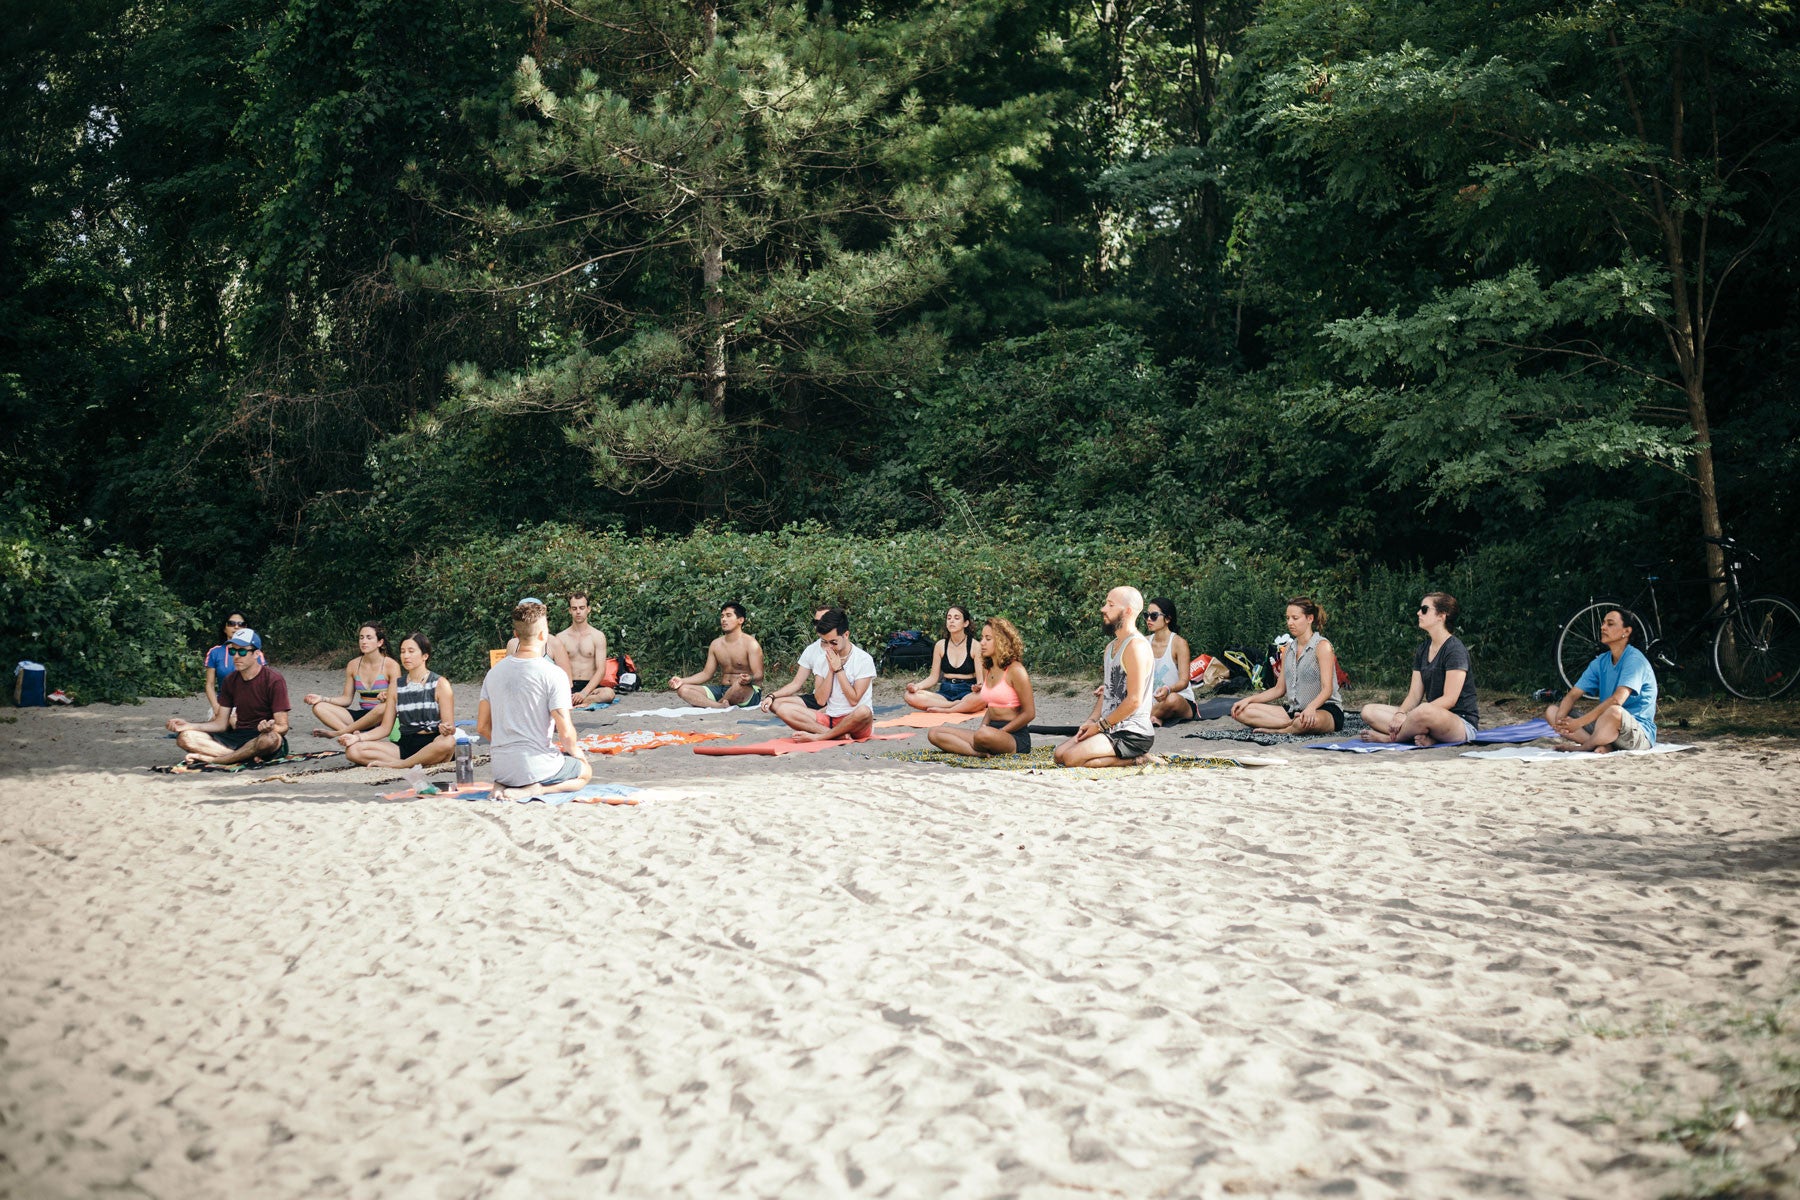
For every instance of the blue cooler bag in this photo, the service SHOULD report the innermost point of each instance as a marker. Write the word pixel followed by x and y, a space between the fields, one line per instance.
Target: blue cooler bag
pixel 28 686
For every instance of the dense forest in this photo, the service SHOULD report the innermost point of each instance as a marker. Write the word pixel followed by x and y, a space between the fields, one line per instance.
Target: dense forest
pixel 336 308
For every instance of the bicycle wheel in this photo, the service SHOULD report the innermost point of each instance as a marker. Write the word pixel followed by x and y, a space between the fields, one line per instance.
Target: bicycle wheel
pixel 1757 650
pixel 1579 642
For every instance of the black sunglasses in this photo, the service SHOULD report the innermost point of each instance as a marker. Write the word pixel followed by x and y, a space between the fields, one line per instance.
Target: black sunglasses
pixel 1424 608
pixel 1153 616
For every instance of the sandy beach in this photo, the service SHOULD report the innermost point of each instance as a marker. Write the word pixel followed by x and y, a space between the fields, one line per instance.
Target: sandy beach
pixel 1396 975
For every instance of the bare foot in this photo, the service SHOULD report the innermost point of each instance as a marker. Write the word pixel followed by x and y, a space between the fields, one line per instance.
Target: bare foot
pixel 1372 734
pixel 323 732
pixel 826 736
pixel 1422 740
pixel 1602 749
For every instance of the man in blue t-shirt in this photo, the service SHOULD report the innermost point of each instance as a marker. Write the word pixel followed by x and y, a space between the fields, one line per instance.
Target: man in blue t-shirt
pixel 1625 717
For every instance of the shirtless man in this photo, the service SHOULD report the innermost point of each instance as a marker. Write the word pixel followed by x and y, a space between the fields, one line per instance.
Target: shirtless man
pixel 1118 732
pixel 736 658
pixel 585 651
pixel 554 650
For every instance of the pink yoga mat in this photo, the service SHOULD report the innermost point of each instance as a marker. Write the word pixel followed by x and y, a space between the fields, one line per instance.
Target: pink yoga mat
pixel 927 720
pixel 790 746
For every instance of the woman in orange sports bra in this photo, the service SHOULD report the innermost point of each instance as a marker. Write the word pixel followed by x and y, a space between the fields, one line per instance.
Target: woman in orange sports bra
pixel 1004 698
pixel 367 678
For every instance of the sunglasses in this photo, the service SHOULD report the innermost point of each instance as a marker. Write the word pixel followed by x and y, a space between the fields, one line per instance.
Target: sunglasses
pixel 1153 616
pixel 234 624
pixel 1424 608
pixel 240 650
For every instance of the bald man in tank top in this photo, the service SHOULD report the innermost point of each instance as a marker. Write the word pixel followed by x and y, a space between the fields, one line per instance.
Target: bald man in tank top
pixel 1118 733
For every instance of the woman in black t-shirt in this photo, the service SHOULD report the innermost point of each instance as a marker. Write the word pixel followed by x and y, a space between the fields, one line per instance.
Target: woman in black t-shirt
pixel 1440 707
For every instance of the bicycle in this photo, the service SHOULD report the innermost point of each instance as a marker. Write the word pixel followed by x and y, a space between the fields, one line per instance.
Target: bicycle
pixel 1755 643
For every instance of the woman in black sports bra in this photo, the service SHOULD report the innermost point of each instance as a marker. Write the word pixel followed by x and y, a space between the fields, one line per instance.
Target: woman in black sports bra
pixel 955 665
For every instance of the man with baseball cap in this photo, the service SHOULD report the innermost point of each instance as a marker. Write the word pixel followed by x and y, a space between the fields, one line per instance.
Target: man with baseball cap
pixel 252 718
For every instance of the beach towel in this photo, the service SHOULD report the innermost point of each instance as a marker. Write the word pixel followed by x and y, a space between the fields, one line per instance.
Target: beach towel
pixel 790 746
pixel 596 706
pixel 1550 753
pixel 187 768
pixel 1523 731
pixel 926 720
pixel 645 739
pixel 1042 758
pixel 593 793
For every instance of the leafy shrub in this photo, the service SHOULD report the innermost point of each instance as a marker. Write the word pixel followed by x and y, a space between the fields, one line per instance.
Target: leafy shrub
pixel 100 619
pixel 658 596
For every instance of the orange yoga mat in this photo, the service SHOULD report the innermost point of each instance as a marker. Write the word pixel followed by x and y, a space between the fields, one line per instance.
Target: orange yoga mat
pixel 790 746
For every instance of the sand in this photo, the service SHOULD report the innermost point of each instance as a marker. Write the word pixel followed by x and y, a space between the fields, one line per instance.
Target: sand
pixel 822 975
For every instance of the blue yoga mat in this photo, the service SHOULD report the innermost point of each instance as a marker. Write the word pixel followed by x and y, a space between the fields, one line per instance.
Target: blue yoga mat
pixel 1524 731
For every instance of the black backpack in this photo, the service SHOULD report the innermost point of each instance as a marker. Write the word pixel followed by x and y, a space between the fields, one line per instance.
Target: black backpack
pixel 907 650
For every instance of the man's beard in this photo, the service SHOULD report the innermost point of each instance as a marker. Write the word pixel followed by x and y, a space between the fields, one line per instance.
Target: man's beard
pixel 1111 624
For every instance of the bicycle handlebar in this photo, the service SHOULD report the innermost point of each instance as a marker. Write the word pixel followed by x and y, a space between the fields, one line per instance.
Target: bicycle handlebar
pixel 1726 543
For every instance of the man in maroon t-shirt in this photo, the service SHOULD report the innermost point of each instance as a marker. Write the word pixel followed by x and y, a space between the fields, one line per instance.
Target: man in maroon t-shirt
pixel 252 718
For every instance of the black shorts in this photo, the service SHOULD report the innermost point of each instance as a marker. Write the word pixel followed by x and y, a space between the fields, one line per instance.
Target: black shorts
pixel 578 684
pixel 238 738
pixel 1127 744
pixel 1329 709
pixel 412 743
pixel 811 700
pixel 1021 737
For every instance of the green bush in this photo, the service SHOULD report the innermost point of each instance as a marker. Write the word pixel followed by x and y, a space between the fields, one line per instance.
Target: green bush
pixel 100 619
pixel 658 596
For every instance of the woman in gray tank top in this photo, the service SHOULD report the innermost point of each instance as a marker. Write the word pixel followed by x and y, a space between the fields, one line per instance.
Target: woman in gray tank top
pixel 1305 699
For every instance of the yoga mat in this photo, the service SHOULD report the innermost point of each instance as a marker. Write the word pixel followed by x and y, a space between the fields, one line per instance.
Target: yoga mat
pixel 1549 754
pixel 645 739
pixel 1212 710
pixel 187 768
pixel 790 746
pixel 1042 758
pixel 687 711
pixel 596 706
pixel 1524 731
pixel 927 720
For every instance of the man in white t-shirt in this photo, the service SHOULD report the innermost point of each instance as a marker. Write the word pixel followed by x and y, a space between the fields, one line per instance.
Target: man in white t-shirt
pixel 524 716
pixel 841 702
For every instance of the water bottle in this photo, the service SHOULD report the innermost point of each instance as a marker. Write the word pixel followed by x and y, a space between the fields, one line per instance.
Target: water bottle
pixel 465 760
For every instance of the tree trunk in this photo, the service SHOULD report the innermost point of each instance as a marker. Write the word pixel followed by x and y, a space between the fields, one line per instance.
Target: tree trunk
pixel 712 257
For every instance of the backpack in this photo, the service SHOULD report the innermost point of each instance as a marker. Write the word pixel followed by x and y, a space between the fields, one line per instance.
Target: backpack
pixel 618 672
pixel 908 649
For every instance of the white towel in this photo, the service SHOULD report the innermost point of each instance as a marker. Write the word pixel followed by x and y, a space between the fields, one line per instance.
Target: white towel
pixel 1546 753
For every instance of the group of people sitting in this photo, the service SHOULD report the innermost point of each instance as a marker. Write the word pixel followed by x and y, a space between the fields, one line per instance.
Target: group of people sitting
pixel 400 714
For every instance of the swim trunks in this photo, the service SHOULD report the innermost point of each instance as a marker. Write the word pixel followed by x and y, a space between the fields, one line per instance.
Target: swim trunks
pixel 717 692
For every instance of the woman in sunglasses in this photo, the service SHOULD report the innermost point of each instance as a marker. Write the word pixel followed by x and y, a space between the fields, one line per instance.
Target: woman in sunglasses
pixel 219 664
pixel 1173 699
pixel 1440 707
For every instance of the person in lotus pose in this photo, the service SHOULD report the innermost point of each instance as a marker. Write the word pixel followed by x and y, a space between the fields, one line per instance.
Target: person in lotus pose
pixel 1440 707
pixel 1004 699
pixel 955 666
